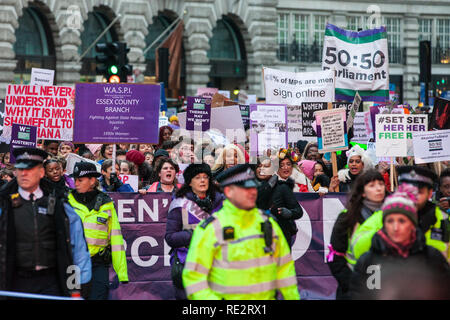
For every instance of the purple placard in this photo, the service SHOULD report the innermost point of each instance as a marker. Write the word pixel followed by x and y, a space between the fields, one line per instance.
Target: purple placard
pixel 245 115
pixel 198 113
pixel 374 110
pixel 143 224
pixel 259 124
pixel 22 136
pixel 116 113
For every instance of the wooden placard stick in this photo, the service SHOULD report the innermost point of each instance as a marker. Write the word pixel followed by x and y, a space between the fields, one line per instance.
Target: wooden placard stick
pixel 333 154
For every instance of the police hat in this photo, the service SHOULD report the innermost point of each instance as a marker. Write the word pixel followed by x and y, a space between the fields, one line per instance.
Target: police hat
pixel 241 175
pixel 85 169
pixel 27 158
pixel 416 175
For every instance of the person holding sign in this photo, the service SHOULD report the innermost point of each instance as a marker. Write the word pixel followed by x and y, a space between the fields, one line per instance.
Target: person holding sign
pixel 358 161
pixel 366 197
pixel 109 182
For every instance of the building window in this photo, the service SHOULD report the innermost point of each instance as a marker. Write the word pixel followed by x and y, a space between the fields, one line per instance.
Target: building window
pixel 33 46
pixel 394 35
pixel 300 37
pixel 425 29
pixel 355 23
pixel 227 52
pixel 160 24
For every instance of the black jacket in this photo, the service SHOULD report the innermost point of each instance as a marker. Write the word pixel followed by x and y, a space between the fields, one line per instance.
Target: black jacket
pixel 339 240
pixel 283 197
pixel 7 236
pixel 424 274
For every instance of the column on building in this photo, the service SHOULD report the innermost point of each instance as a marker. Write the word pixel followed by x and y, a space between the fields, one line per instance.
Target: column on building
pixel 69 20
pixel 134 24
pixel 199 20
pixel 10 10
pixel 411 69
pixel 260 17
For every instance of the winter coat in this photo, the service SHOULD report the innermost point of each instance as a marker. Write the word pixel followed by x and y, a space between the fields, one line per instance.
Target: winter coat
pixel 71 245
pixel 346 180
pixel 124 187
pixel 283 197
pixel 424 274
pixel 340 237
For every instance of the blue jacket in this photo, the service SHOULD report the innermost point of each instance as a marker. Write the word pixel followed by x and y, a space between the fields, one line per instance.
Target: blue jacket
pixel 124 187
pixel 80 252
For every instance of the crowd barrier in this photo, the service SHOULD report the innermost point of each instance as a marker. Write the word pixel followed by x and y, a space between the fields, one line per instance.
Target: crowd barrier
pixel 143 223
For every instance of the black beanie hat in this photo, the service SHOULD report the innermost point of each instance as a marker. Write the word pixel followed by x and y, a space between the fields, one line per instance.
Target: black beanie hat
pixel 194 169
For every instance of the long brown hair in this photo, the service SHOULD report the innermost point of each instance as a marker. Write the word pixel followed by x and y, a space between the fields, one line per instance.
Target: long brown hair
pixel 355 199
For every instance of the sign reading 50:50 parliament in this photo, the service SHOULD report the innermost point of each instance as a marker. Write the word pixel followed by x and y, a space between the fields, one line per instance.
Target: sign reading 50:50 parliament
pixel 360 61
pixel 116 113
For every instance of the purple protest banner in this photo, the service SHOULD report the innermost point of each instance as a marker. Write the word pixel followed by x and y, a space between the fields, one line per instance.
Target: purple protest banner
pixel 22 136
pixel 198 113
pixel 116 113
pixel 245 114
pixel 143 224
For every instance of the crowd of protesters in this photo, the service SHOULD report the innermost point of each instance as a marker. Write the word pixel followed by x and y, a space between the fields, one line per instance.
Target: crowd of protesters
pixel 187 169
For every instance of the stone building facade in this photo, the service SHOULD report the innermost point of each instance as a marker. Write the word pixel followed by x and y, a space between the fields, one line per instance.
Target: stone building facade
pixel 226 42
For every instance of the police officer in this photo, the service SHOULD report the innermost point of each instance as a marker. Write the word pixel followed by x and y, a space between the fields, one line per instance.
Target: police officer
pixel 432 221
pixel 239 252
pixel 39 238
pixel 101 229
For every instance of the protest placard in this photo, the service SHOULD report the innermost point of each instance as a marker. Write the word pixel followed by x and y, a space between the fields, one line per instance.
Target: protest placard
pixel 372 154
pixel 224 119
pixel 41 77
pixel 132 180
pixel 22 136
pixel 47 107
pixel 206 92
pixel 394 133
pixel 294 118
pixel 360 62
pixel 361 132
pixel 73 158
pixel 383 109
pixel 308 109
pixel 431 146
pixel 353 109
pixel 268 128
pixel 245 115
pixel 440 117
pixel 293 88
pixel 119 112
pixel 225 93
pixel 198 113
pixel 331 130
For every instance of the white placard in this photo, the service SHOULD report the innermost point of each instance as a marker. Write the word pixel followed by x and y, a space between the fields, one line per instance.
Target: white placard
pixel 431 146
pixel 42 77
pixel 132 180
pixel 73 158
pixel 293 88
pixel 394 133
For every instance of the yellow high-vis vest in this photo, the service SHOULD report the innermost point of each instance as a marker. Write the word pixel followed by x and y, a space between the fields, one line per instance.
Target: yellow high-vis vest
pixel 236 267
pixel 101 229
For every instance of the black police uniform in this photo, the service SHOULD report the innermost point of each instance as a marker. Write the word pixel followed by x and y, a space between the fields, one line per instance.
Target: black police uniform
pixel 34 235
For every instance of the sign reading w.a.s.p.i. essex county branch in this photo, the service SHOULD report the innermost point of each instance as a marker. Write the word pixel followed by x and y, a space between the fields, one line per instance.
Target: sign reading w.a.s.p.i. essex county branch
pixel 116 112
pixel 49 108
pixel 394 133
pixel 360 60
pixel 293 88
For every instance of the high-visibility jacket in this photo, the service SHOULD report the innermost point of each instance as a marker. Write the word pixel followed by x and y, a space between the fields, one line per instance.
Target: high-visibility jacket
pixel 238 268
pixel 102 229
pixel 361 240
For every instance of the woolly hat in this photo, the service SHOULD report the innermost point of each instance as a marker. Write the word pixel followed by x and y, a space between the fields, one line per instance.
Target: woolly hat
pixel 68 143
pixel 161 153
pixel 402 201
pixel 307 167
pixel 358 151
pixel 136 157
pixel 194 169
